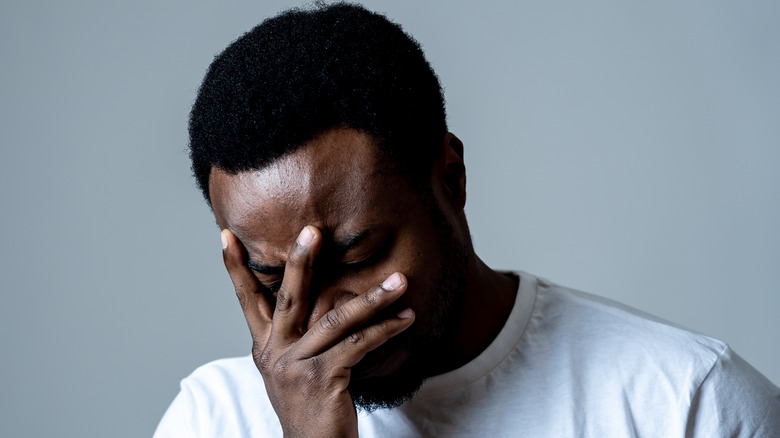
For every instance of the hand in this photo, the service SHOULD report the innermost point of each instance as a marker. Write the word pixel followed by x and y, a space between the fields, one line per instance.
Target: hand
pixel 306 373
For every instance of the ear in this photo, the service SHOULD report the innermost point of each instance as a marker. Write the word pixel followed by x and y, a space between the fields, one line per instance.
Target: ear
pixel 449 173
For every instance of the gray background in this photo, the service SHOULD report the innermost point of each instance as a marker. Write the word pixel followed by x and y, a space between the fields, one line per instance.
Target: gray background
pixel 629 149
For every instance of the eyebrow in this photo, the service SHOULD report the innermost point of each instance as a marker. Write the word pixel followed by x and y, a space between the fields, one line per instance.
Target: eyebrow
pixel 339 249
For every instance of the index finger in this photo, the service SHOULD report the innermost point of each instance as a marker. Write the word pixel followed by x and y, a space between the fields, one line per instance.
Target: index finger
pixel 257 310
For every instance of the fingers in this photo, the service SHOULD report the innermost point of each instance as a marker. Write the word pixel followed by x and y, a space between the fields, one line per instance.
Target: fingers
pixel 354 347
pixel 343 322
pixel 257 309
pixel 343 336
pixel 292 300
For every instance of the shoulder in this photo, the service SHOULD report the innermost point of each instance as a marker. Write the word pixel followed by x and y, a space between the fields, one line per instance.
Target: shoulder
pixel 734 400
pixel 227 385
pixel 603 325
pixel 223 374
pixel 653 368
pixel 225 397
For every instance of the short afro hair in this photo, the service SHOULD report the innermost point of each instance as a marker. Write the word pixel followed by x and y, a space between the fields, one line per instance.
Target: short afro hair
pixel 308 70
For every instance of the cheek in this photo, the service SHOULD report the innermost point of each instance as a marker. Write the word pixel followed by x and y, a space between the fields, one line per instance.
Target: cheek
pixel 415 262
pixel 409 254
pixel 412 257
pixel 359 282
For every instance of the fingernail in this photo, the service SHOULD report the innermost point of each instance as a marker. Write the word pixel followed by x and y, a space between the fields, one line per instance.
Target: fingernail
pixel 224 239
pixel 393 282
pixel 306 236
pixel 406 313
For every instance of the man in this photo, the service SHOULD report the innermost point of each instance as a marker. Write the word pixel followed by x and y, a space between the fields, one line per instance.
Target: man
pixel 320 141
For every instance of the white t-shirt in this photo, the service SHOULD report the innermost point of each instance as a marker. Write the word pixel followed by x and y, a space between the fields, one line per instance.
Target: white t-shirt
pixel 566 364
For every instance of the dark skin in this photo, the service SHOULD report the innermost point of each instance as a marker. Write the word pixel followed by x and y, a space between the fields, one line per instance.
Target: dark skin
pixel 346 249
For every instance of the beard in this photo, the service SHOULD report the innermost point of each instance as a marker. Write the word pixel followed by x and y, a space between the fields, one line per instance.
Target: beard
pixel 417 351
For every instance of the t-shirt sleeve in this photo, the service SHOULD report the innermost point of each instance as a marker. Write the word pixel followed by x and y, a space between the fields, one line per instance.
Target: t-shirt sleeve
pixel 734 400
pixel 177 420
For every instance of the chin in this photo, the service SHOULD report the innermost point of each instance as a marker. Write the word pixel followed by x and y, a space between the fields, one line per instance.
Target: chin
pixel 385 378
pixel 384 392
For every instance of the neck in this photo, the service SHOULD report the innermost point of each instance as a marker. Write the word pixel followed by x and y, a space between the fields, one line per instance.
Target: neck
pixel 486 306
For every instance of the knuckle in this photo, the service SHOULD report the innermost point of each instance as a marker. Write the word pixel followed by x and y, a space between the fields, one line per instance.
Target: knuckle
pixel 372 298
pixel 295 260
pixel 384 326
pixel 332 319
pixel 355 338
pixel 281 368
pixel 283 298
pixel 314 371
pixel 261 356
pixel 243 299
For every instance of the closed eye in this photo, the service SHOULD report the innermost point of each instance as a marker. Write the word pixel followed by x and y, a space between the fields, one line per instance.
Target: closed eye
pixel 270 277
pixel 373 258
pixel 272 287
pixel 269 284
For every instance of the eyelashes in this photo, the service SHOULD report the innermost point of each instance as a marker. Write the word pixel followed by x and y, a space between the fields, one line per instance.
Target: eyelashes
pixel 272 287
pixel 365 263
pixel 330 268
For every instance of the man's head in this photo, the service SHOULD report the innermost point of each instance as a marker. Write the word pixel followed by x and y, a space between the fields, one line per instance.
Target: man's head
pixel 373 223
pixel 306 71
pixel 333 118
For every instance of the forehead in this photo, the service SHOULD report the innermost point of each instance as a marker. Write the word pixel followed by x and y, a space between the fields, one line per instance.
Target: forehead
pixel 337 182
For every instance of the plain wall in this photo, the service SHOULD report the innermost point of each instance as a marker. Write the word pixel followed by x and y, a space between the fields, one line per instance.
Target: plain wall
pixel 629 149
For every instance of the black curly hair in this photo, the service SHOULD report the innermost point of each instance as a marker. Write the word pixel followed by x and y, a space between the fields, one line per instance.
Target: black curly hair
pixel 307 70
